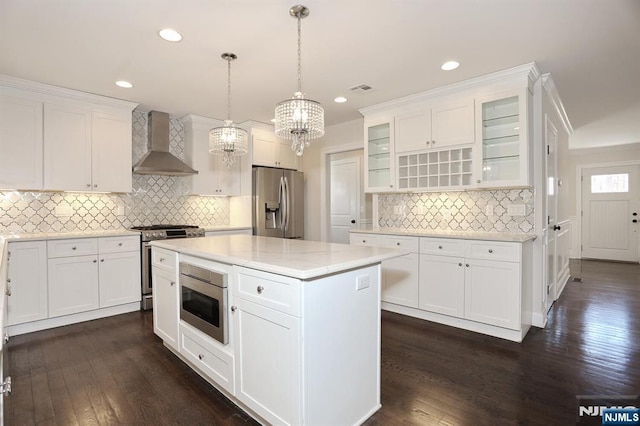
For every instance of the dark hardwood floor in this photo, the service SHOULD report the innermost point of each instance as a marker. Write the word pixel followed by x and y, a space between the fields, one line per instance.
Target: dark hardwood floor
pixel 115 371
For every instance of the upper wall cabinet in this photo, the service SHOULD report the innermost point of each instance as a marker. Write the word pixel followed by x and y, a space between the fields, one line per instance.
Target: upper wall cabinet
pixel 214 177
pixel 502 158
pixel 379 155
pixel 20 142
pixel 435 126
pixel 63 140
pixel 271 151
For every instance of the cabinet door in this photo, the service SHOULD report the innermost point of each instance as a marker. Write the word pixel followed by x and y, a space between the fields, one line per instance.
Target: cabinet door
pixel 268 364
pixel 20 143
pixel 111 152
pixel 67 148
pixel 286 157
pixel 119 278
pixel 413 131
pixel 400 280
pixel 379 156
pixel 227 178
pixel 442 285
pixel 452 124
pixel 492 293
pixel 27 280
pixel 73 285
pixel 502 158
pixel 166 313
pixel 264 148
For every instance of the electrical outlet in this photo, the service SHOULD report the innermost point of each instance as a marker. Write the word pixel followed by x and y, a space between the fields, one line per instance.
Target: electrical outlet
pixel 516 210
pixel 63 211
pixel 421 210
pixel 397 209
pixel 121 211
pixel 488 210
pixel 362 282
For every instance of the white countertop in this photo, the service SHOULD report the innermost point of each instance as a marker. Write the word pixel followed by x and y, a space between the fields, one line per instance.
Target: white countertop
pixel 226 228
pixel 65 235
pixel 293 258
pixel 467 235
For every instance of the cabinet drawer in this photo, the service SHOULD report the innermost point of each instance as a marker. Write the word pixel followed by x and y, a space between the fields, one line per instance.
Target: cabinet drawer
pixel 492 250
pixel 214 362
pixel 72 247
pixel 164 259
pixel 410 244
pixel 118 244
pixel 274 291
pixel 363 239
pixel 442 246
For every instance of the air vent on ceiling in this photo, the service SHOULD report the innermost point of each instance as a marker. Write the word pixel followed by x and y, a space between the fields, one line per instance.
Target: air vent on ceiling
pixel 362 88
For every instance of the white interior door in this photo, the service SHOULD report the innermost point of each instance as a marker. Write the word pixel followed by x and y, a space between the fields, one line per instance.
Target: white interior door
pixel 345 196
pixel 551 136
pixel 610 213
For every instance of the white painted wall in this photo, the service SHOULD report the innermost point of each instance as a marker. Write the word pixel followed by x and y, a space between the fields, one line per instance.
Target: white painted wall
pixel 349 134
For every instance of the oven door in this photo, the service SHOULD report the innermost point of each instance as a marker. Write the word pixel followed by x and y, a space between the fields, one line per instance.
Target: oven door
pixel 204 306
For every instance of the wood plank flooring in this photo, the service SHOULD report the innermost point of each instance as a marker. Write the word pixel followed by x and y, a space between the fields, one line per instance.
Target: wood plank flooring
pixel 115 371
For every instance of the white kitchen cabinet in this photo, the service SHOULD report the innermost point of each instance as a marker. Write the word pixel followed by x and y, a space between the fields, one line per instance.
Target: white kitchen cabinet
pixel 85 150
pixel 442 285
pixel 400 275
pixel 27 281
pixel 502 120
pixel 166 301
pixel 119 278
pixel 73 285
pixel 437 125
pixel 379 155
pixel 445 169
pixel 214 177
pixel 271 151
pixel 20 142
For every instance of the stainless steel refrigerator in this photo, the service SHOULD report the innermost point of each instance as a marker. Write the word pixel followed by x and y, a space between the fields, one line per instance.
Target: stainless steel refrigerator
pixel 278 203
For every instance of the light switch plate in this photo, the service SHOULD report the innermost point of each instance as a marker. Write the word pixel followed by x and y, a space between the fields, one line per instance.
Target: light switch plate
pixel 362 282
pixel 397 209
pixel 516 210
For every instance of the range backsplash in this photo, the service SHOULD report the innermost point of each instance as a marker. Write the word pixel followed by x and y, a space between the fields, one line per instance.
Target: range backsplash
pixel 458 211
pixel 155 199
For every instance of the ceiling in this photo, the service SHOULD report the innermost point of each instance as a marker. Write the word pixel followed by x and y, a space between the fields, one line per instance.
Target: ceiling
pixel 590 47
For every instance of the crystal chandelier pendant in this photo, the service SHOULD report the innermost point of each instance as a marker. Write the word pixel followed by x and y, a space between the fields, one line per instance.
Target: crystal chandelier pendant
pixel 228 141
pixel 298 119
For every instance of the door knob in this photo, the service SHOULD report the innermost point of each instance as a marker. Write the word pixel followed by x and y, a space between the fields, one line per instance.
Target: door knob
pixel 556 227
pixel 635 221
pixel 634 214
pixel 353 221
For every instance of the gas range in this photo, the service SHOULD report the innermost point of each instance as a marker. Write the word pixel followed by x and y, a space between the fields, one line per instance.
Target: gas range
pixel 163 232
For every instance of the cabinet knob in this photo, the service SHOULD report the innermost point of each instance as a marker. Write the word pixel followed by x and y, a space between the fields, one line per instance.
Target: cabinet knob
pixel 234 308
pixel 390 186
pixel 460 264
pixel 8 292
pixel 6 386
pixel 119 244
pixel 88 185
pixel 95 185
pixel 478 181
pixel 397 244
pixel 200 356
pixel 490 250
pixel 439 247
pixel 428 142
pixel 260 289
pixel 8 280
pixel 74 248
pixel 466 264
pixel 173 283
pixel 6 338
pixel 95 261
pixel 364 241
pixel 433 142
pixel 101 260
pixel 162 259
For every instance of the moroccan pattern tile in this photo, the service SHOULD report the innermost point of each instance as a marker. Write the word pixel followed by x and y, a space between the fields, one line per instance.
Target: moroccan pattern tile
pixel 458 211
pixel 155 199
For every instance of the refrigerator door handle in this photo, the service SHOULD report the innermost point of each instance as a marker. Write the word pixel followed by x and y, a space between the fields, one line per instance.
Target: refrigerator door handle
pixel 282 198
pixel 287 197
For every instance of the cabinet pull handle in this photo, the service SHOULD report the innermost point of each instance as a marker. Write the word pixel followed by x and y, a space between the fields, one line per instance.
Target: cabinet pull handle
pixel 173 283
pixel 200 357
pixel 6 338
pixel 234 308
pixel 8 292
pixel 490 250
pixel 260 289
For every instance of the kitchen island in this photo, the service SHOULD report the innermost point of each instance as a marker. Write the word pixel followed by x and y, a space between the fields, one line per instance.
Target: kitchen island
pixel 301 320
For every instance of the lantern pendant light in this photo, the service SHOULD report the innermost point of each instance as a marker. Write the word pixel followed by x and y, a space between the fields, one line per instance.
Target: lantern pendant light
pixel 298 119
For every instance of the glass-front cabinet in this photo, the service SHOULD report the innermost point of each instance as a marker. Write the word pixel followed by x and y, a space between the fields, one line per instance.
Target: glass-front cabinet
pixel 502 159
pixel 379 156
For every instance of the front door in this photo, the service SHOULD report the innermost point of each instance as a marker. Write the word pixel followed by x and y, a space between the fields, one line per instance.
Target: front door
pixel 610 213
pixel 345 198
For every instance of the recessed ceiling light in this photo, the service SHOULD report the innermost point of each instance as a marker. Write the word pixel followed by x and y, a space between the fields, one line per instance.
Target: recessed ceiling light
pixel 124 84
pixel 273 120
pixel 451 65
pixel 340 100
pixel 170 35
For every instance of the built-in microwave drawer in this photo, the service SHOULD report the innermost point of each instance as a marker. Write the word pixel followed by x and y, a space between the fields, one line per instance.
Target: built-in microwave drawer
pixel 494 250
pixel 164 259
pixel 118 244
pixel 442 246
pixel 270 290
pixel 72 247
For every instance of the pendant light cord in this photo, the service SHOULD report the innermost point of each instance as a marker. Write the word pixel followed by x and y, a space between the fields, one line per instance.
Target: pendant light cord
pixel 229 89
pixel 299 55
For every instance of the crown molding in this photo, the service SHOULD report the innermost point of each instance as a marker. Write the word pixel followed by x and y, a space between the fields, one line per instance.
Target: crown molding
pixel 550 88
pixel 525 74
pixel 61 92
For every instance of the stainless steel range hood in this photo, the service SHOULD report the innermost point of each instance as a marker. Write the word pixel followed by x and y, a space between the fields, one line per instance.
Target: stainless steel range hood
pixel 158 160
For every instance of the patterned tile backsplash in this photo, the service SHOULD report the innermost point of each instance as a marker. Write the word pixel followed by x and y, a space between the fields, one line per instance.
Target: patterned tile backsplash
pixel 155 199
pixel 459 211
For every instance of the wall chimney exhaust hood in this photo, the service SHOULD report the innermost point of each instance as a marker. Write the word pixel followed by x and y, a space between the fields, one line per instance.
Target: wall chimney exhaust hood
pixel 158 160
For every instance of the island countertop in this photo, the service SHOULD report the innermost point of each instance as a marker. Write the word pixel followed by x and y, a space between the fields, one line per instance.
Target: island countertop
pixel 300 259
